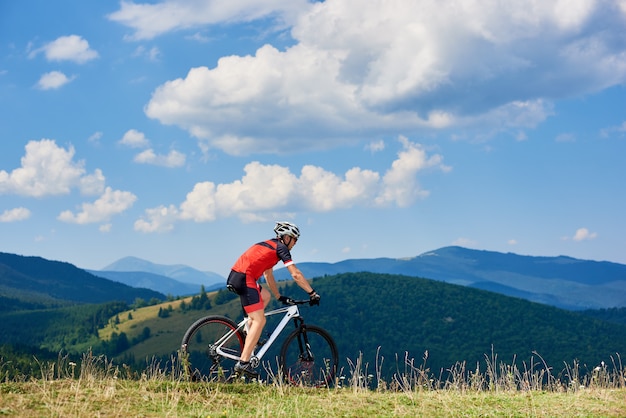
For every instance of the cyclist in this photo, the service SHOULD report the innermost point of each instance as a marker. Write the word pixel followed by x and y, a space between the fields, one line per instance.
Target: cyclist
pixel 259 260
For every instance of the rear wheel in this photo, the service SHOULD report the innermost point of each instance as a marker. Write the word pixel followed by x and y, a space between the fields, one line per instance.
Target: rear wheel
pixel 199 356
pixel 309 357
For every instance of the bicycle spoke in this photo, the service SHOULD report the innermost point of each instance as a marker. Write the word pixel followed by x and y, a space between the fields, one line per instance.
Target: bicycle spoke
pixel 203 362
pixel 314 364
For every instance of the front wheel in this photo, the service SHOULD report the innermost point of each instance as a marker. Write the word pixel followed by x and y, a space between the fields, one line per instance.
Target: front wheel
pixel 198 350
pixel 309 357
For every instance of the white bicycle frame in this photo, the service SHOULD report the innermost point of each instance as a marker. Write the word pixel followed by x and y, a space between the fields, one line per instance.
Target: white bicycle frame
pixel 290 312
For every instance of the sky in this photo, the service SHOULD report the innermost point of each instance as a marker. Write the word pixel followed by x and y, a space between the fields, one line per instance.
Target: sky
pixel 178 131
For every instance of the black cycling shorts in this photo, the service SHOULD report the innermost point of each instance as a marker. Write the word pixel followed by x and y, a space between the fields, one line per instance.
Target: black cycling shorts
pixel 249 291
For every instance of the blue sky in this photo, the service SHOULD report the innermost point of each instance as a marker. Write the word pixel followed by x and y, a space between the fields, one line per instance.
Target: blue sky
pixel 178 131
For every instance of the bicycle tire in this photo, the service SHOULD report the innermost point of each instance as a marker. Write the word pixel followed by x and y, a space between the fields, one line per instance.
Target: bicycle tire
pixel 316 367
pixel 200 361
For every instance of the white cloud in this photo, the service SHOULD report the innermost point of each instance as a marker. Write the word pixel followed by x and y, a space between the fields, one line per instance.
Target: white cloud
pixel 134 139
pixel 159 219
pixel 172 159
pixel 267 190
pixel 385 67
pixel 49 170
pixel 151 20
pixel 152 54
pixel 67 48
pixel 583 234
pixel 111 203
pixel 95 137
pixel 14 215
pixel 92 184
pixel 400 180
pixel 53 80
pixel 376 146
pixel 619 131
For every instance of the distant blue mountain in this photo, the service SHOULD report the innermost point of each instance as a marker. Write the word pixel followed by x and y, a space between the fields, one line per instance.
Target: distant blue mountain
pixel 179 272
pixel 564 282
pixel 152 281
pixel 30 282
pixel 176 280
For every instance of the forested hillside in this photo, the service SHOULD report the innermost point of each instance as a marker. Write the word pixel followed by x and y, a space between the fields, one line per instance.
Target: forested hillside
pixel 615 315
pixel 453 323
pixel 44 282
pixel 563 282
pixel 368 314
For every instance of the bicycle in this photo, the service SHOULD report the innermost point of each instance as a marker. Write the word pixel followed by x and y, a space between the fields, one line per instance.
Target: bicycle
pixel 212 345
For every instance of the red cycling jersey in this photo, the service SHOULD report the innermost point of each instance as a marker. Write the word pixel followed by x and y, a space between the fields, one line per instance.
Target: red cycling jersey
pixel 260 257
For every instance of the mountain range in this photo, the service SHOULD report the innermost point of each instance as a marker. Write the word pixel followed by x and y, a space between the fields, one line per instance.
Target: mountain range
pixel 54 305
pixel 177 279
pixel 34 282
pixel 564 282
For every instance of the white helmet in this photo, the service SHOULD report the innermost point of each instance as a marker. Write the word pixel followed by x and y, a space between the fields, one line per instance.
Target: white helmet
pixel 286 228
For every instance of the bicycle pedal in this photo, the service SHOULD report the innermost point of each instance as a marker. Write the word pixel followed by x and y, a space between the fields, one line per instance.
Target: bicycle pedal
pixel 244 375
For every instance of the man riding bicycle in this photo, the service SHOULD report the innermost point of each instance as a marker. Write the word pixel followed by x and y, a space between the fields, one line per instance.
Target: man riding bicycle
pixel 259 260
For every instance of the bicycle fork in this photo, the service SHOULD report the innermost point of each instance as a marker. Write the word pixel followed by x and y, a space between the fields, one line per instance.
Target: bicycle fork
pixel 303 341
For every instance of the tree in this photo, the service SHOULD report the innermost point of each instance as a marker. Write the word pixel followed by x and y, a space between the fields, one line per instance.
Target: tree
pixel 163 313
pixel 145 334
pixel 139 303
pixel 223 296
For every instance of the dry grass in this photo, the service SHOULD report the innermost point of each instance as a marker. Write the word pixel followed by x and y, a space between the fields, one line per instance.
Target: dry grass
pixel 96 387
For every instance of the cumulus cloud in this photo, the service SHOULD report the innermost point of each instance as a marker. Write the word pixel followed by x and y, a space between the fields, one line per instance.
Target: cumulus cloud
pixel 49 170
pixel 134 139
pixel 14 215
pixel 172 159
pixel 151 20
pixel 267 190
pixel 400 181
pixel 383 66
pixel 160 219
pixel 67 48
pixel 53 80
pixel 112 202
pixel 583 234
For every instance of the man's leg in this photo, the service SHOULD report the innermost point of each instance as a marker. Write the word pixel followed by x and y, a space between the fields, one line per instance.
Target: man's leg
pixel 255 327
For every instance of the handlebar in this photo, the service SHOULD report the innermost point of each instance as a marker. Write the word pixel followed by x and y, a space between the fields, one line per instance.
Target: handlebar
pixel 298 302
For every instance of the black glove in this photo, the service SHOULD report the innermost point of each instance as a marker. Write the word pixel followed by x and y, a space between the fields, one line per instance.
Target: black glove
pixel 314 298
pixel 286 301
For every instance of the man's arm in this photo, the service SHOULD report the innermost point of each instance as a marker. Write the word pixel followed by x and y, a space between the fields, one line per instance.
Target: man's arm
pixel 299 278
pixel 271 282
